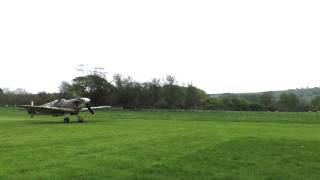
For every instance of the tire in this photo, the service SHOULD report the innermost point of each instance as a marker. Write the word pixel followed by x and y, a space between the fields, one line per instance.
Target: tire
pixel 80 120
pixel 66 120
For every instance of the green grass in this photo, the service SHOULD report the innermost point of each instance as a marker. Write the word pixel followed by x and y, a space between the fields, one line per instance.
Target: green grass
pixel 161 145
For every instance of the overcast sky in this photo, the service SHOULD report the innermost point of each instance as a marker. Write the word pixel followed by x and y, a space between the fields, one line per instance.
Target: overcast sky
pixel 219 46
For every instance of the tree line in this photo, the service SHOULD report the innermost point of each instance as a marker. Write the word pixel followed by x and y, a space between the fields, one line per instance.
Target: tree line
pixel 165 93
pixel 262 102
pixel 121 91
pixel 128 93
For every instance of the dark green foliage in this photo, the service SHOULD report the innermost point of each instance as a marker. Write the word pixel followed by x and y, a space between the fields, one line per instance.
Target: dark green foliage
pixel 125 92
pixel 20 96
pixel 152 94
pixel 65 90
pixel 315 104
pixel 194 97
pixel 304 94
pixel 1 96
pixel 288 102
pixel 267 101
pixel 95 87
pixel 256 102
pixel 232 103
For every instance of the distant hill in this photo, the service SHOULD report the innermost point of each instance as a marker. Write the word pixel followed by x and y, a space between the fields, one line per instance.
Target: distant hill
pixel 306 94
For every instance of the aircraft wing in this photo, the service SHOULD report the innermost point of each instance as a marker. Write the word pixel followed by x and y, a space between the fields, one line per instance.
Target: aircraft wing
pixel 98 107
pixel 45 109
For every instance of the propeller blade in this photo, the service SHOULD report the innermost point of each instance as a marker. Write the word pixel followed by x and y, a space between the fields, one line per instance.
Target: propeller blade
pixel 89 108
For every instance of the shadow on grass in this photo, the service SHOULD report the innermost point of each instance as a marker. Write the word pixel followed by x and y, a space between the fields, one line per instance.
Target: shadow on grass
pixel 42 122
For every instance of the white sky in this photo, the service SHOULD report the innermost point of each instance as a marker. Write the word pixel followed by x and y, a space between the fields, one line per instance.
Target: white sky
pixel 219 46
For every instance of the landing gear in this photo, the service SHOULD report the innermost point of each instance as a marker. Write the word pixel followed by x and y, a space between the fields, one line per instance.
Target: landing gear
pixel 66 120
pixel 80 119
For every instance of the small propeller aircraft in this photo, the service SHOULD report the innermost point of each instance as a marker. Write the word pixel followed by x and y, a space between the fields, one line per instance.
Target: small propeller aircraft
pixel 63 107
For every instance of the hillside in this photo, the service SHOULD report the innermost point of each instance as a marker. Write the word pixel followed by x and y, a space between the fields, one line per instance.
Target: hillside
pixel 306 94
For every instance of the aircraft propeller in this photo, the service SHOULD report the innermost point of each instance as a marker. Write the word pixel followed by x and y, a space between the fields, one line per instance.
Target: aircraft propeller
pixel 89 108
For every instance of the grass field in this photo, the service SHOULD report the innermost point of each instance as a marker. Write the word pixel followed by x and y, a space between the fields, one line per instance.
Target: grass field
pixel 161 145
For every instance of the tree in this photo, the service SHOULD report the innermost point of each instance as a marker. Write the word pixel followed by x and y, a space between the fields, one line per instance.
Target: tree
pixel 172 93
pixel 267 101
pixel 315 104
pixel 20 91
pixel 288 102
pixel 150 94
pixel 154 91
pixel 65 89
pixel 120 96
pixel 1 97
pixel 97 88
pixel 194 97
pixel 213 104
pixel 171 80
pixel 128 93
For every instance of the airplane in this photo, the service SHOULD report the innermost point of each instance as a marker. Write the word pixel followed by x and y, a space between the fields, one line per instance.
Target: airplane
pixel 63 107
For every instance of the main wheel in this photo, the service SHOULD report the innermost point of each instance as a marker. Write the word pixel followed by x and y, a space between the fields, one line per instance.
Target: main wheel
pixel 66 120
pixel 80 120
